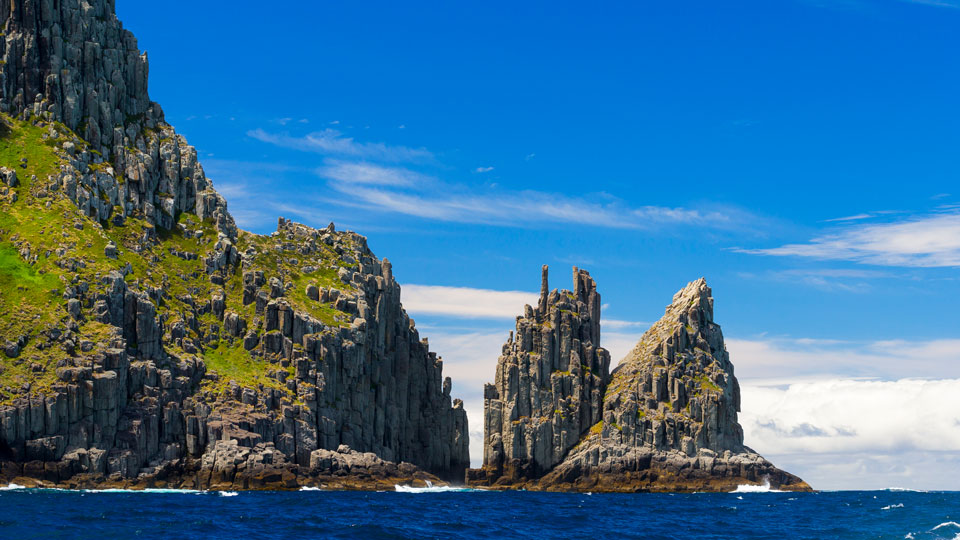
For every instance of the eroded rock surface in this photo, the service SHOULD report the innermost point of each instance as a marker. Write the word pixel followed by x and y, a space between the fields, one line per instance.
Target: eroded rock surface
pixel 668 420
pixel 158 341
pixel 549 384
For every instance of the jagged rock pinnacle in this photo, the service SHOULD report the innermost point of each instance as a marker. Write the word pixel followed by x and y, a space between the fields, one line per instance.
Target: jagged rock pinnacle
pixel 668 419
pixel 549 384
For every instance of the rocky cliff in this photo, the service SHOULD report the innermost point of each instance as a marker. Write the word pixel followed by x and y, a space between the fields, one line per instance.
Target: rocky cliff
pixel 549 385
pixel 668 421
pixel 148 341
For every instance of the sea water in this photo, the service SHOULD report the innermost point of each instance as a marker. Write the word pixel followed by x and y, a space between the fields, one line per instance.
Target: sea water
pixel 457 513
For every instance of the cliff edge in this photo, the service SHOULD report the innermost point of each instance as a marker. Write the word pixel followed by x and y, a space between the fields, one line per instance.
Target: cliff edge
pixel 146 340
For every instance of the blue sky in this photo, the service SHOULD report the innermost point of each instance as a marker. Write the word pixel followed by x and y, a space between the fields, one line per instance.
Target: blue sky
pixel 801 155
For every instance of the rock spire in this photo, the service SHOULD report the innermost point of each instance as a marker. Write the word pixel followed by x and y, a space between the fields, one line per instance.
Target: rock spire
pixel 668 421
pixel 549 383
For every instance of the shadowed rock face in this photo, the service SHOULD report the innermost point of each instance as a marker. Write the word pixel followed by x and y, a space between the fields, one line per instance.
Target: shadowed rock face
pixel 549 384
pixel 668 419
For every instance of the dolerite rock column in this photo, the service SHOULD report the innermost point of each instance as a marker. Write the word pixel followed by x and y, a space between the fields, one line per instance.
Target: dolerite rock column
pixel 549 384
pixel 670 415
pixel 71 61
pixel 676 388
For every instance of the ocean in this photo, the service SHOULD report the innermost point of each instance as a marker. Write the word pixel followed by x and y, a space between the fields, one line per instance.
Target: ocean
pixel 445 513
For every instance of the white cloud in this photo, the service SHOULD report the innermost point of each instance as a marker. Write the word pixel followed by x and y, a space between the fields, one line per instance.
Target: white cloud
pixel 615 324
pixel 866 425
pixel 785 361
pixel 465 302
pixel 928 241
pixel 332 142
pixel 483 169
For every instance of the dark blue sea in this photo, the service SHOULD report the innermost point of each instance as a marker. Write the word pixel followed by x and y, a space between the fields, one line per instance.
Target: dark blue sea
pixel 313 514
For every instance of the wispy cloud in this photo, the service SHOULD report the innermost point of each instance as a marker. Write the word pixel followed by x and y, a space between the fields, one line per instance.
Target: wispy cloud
pixel 332 142
pixel 373 175
pixel 926 241
pixel 367 177
pixel 827 279
pixel 938 3
pixel 386 189
pixel 850 218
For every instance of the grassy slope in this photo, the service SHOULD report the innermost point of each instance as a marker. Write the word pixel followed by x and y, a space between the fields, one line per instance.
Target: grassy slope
pixel 41 228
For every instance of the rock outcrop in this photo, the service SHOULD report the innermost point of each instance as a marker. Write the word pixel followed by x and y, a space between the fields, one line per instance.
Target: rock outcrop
pixel 549 385
pixel 72 62
pixel 668 419
pixel 146 339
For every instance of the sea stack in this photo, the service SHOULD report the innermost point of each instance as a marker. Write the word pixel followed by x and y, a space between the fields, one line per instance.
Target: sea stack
pixel 549 384
pixel 668 420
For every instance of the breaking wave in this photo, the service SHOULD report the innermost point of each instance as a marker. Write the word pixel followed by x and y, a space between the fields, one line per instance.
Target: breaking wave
pixel 753 488
pixel 150 490
pixel 434 489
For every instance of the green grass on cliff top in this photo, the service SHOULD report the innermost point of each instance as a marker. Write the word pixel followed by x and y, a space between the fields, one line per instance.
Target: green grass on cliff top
pixel 52 231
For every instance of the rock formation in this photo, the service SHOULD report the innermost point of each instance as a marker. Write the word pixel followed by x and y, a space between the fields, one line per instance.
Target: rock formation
pixel 549 384
pixel 71 61
pixel 146 339
pixel 668 420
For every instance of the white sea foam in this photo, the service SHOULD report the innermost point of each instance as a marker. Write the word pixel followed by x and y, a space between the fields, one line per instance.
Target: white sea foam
pixel 892 506
pixel 311 489
pixel 904 490
pixel 433 489
pixel 946 524
pixel 151 490
pixel 12 487
pixel 227 493
pixel 753 488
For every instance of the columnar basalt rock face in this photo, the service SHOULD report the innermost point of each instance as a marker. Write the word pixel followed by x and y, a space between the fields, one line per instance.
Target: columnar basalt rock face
pixel 670 415
pixel 72 62
pixel 676 389
pixel 174 348
pixel 549 384
pixel 668 419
